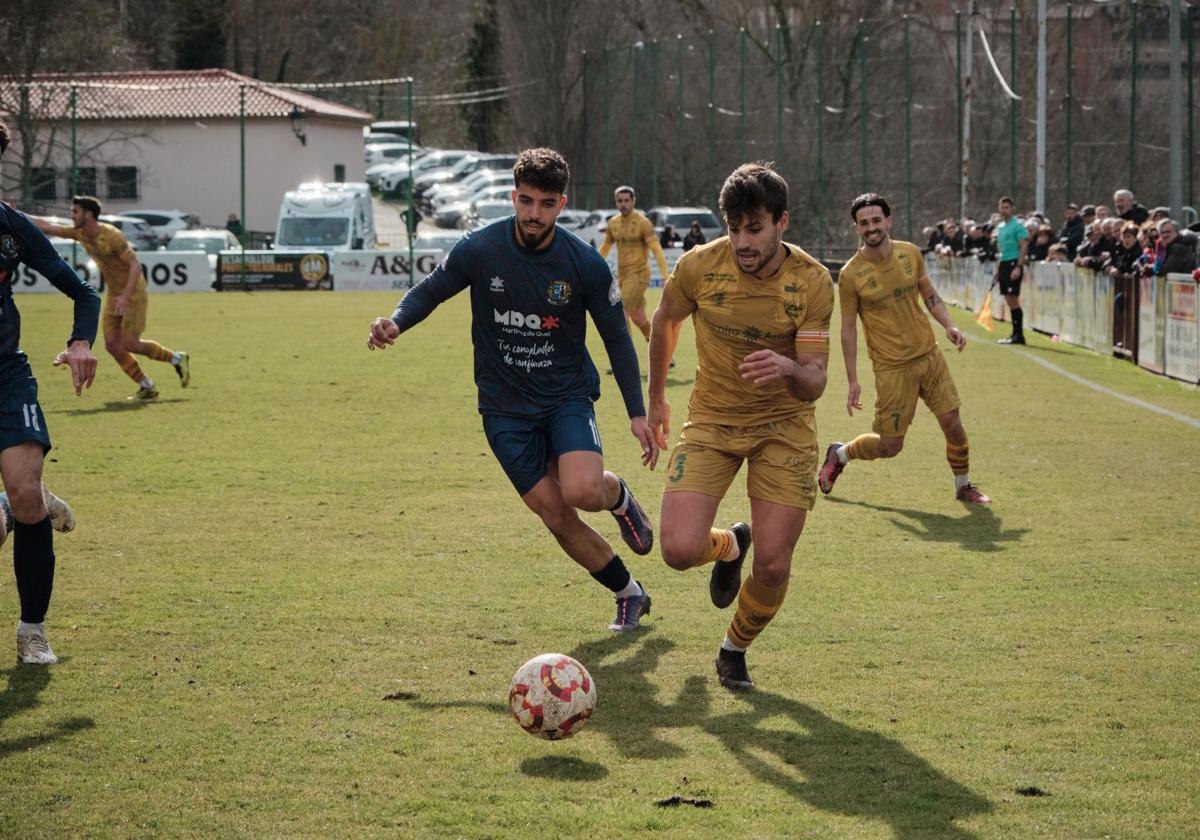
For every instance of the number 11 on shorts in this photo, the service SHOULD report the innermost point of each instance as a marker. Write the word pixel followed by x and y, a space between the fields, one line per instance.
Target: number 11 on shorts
pixel 31 416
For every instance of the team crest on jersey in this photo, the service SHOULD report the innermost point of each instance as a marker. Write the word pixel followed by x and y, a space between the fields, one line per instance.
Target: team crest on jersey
pixel 9 246
pixel 558 292
pixel 497 284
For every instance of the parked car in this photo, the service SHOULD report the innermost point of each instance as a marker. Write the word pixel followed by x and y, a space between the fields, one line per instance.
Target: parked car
pixel 682 218
pixel 140 235
pixel 166 222
pixel 408 131
pixel 486 211
pixel 380 152
pixel 458 172
pixel 211 241
pixel 594 228
pixel 394 182
pixel 573 220
pixel 450 193
pixel 383 137
pixel 451 215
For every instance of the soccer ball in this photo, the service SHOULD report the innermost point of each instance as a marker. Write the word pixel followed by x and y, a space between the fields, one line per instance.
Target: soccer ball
pixel 552 696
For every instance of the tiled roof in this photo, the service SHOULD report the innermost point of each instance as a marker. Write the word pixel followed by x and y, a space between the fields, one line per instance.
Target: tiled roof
pixel 167 94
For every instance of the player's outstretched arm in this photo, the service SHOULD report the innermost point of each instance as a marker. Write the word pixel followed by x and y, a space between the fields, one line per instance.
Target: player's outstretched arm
pixel 383 333
pixel 49 228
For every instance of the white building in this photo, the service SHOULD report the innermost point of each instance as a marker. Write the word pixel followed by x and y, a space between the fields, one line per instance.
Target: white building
pixel 173 140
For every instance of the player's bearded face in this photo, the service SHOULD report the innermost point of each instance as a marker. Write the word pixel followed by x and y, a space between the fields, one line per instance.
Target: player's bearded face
pixel 872 225
pixel 756 239
pixel 537 212
pixel 624 203
pixel 77 216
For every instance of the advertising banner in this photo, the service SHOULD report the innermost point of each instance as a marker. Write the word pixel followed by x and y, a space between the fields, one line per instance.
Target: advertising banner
pixel 273 271
pixel 358 271
pixel 1182 340
pixel 166 271
pixel 1151 303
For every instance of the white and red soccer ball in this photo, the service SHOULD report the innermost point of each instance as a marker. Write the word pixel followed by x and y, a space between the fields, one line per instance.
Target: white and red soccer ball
pixel 552 696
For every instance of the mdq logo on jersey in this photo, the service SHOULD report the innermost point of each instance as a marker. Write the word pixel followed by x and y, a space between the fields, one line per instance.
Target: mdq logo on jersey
pixel 512 318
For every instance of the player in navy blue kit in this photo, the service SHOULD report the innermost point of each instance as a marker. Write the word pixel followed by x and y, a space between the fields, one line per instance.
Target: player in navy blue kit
pixel 532 287
pixel 24 440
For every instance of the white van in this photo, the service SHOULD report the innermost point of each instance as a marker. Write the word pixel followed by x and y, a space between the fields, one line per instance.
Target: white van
pixel 329 216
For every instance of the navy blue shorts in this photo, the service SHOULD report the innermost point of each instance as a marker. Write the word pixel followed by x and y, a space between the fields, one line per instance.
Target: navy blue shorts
pixel 21 417
pixel 523 445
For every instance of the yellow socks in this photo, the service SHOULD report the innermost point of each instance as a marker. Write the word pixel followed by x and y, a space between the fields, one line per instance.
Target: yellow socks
pixel 757 605
pixel 863 448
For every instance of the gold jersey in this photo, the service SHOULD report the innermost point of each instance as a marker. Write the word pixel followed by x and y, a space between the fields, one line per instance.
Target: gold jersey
pixel 112 254
pixel 887 296
pixel 635 239
pixel 735 314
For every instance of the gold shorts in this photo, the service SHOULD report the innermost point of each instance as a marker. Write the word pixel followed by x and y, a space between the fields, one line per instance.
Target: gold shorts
pixel 896 393
pixel 633 289
pixel 133 322
pixel 782 457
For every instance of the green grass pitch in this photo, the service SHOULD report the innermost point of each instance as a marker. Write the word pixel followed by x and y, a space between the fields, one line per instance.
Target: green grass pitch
pixel 299 588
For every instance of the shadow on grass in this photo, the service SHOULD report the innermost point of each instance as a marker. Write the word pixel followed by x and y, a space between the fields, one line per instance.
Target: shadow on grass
pixel 830 765
pixel 115 405
pixel 979 530
pixel 841 769
pixel 25 683
pixel 563 768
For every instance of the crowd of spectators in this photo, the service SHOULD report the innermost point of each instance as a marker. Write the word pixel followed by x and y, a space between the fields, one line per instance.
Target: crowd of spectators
pixel 1127 241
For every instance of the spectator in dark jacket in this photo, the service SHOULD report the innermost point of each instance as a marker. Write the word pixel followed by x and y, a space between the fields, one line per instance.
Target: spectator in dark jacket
pixel 1090 254
pixel 979 242
pixel 1039 248
pixel 694 237
pixel 1178 256
pixel 1128 209
pixel 1071 234
pixel 953 240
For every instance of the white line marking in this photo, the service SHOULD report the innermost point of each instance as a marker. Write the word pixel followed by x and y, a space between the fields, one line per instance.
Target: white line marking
pixel 1182 418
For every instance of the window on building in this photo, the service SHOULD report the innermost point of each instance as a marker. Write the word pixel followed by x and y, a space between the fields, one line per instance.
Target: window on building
pixel 44 182
pixel 85 181
pixel 122 183
pixel 339 173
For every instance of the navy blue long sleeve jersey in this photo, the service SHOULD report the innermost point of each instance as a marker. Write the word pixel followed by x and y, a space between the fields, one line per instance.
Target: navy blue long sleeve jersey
pixel 529 319
pixel 22 242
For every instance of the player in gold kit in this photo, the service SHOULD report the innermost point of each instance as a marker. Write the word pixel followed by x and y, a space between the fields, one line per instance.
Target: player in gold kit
pixel 123 318
pixel 884 284
pixel 635 239
pixel 761 310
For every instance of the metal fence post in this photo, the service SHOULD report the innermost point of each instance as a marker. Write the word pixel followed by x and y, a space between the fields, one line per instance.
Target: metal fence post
pixel 1133 63
pixel 820 33
pixel 712 117
pixel 1012 103
pixel 908 203
pixel 654 122
pixel 779 95
pixel 410 226
pixel 583 129
pixel 633 121
pixel 958 68
pixel 607 171
pixel 680 159
pixel 741 96
pixel 864 109
pixel 1070 105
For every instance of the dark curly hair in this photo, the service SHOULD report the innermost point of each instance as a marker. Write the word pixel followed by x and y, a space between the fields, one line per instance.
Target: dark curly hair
pixel 543 169
pixel 753 187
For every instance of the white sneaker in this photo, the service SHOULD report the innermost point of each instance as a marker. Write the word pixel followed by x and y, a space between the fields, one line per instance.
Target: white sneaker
pixel 33 649
pixel 62 518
